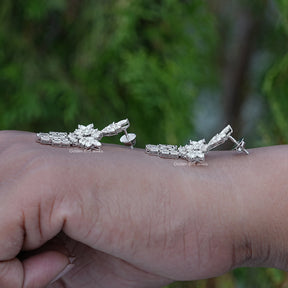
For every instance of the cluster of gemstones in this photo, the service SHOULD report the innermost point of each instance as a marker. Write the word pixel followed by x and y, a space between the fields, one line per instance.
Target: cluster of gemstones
pixel 195 151
pixel 86 137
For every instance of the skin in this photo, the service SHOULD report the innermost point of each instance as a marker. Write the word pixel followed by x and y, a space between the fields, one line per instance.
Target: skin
pixel 133 220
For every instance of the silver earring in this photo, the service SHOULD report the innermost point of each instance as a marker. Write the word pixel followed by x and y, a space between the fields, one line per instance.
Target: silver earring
pixel 195 151
pixel 88 137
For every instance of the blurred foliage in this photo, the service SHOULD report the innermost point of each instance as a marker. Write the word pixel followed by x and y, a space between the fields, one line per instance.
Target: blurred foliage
pixel 64 62
pixel 275 87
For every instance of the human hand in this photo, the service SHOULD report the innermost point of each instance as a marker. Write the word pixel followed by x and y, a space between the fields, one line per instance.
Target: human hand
pixel 39 199
pixel 130 219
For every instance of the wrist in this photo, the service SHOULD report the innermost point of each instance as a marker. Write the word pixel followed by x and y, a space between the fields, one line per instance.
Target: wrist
pixel 262 209
pixel 240 206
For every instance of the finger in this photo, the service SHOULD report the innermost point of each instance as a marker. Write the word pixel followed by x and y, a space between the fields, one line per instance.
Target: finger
pixel 35 272
pixel 41 269
pixel 12 233
pixel 27 212
pixel 11 274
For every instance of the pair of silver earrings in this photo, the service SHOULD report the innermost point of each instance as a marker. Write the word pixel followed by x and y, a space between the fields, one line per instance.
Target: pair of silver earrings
pixel 88 137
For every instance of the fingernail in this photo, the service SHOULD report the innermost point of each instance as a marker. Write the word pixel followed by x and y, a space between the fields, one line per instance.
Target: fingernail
pixel 68 268
pixel 72 259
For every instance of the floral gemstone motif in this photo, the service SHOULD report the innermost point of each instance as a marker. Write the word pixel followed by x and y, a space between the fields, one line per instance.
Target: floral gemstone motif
pixel 195 151
pixel 86 137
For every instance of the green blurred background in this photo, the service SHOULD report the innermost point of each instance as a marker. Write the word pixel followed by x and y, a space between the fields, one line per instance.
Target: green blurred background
pixel 178 69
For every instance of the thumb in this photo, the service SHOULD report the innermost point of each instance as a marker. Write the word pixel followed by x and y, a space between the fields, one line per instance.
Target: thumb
pixel 34 272
pixel 44 268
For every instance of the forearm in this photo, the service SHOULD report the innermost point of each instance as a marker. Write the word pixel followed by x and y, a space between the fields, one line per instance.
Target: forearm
pixel 234 209
pixel 259 190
